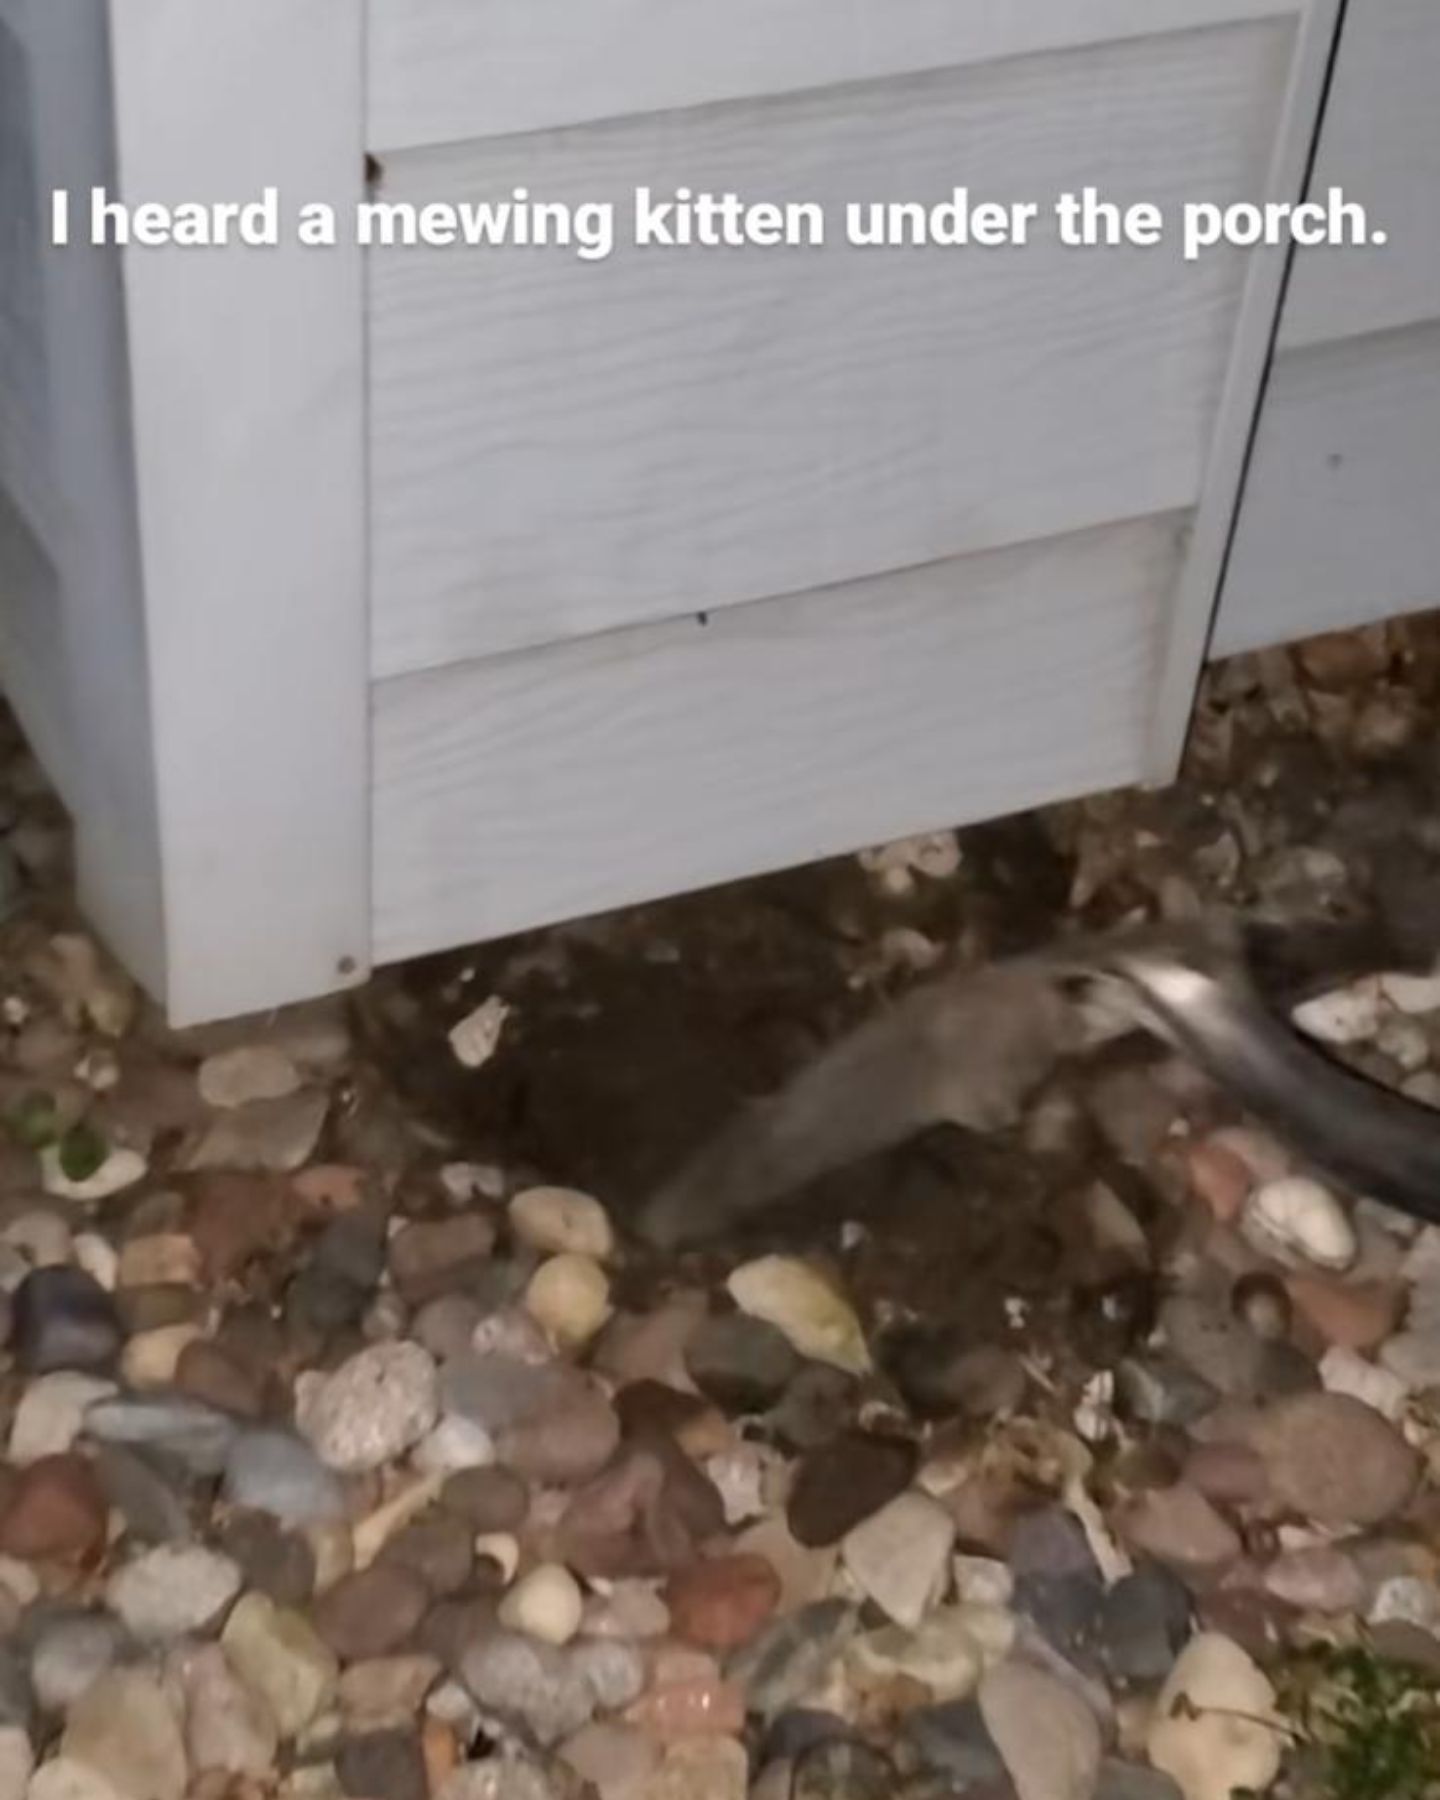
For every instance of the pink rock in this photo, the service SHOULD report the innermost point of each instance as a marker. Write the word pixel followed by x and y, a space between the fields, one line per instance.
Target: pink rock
pixel 611 1757
pixel 330 1187
pixel 1231 1473
pixel 1321 1579
pixel 1357 1315
pixel 705 1707
pixel 1179 1526
pixel 1263 1157
pixel 1219 1177
pixel 1334 1459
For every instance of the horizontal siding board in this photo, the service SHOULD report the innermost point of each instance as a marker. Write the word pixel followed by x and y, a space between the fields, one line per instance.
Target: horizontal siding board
pixel 1380 143
pixel 1339 524
pixel 445 70
pixel 563 781
pixel 561 447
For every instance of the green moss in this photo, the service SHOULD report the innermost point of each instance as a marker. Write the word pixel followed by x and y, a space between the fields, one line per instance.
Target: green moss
pixel 82 1150
pixel 32 1120
pixel 1372 1724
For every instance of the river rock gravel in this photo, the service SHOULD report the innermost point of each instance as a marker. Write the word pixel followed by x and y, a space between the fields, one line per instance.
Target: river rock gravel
pixel 355 1446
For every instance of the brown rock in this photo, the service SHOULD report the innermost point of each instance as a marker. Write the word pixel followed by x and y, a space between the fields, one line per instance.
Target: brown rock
pixel 1219 1177
pixel 238 1217
pixel 1179 1527
pixel 651 1346
pixel 331 1188
pixel 1233 1474
pixel 650 1406
pixel 438 1548
pixel 492 1499
pixel 844 1482
pixel 1334 1459
pixel 145 1309
pixel 1317 1579
pixel 161 1258
pixel 1337 660
pixel 566 1445
pixel 721 1604
pixel 440 1750
pixel 205 1372
pixel 56 1510
pixel 387 1691
pixel 647 1514
pixel 371 1613
pixel 446 1326
pixel 255 1342
pixel 438 1256
pixel 1359 1315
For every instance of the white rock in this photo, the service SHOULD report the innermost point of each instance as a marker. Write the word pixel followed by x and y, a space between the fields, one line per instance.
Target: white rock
pixel 99 1069
pixel 744 1476
pixel 798 1301
pixel 17 1762
pixel 1047 1736
pixel 546 1603
pixel 150 1358
pixel 616 1760
pixel 19 1580
pixel 1408 1599
pixel 1389 1219
pixel 455 1443
pixel 1423 1088
pixel 1215 1727
pixel 1413 1358
pixel 477 1037
pixel 453 1702
pixel 1347 1015
pixel 127 1725
pixel 933 853
pixel 227 1725
pixel 558 1219
pixel 570 1296
pixel 1297 1217
pixel 64 1778
pixel 1266 1159
pixel 500 1548
pixel 700 1768
pixel 1412 993
pixel 900 1556
pixel 99 1258
pixel 248 1072
pixel 51 1413
pixel 371 1409
pixel 42 1238
pixel 984 1580
pixel 463 1182
pixel 121 1169
pixel 370 1535
pixel 172 1590
pixel 1344 1371
pixel 1404 1042
pixel 947 1655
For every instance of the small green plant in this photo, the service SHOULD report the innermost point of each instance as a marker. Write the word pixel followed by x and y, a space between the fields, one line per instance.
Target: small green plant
pixel 32 1120
pixel 82 1150
pixel 1373 1724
